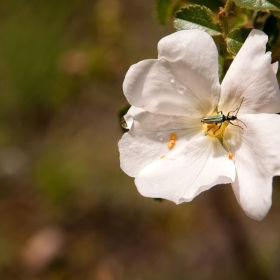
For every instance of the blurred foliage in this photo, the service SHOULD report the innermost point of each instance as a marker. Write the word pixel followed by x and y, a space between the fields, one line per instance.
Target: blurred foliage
pixel 229 26
pixel 67 210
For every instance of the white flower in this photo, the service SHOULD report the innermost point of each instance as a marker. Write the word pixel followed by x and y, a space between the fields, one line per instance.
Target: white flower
pixel 173 155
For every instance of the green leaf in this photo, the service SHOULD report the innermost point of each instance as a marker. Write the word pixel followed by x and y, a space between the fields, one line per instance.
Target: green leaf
pixel 162 10
pixel 235 39
pixel 239 21
pixel 196 17
pixel 259 5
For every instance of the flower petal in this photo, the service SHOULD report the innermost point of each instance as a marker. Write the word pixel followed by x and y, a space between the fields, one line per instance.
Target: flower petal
pixel 274 67
pixel 195 167
pixel 251 76
pixel 257 160
pixel 147 139
pixel 183 82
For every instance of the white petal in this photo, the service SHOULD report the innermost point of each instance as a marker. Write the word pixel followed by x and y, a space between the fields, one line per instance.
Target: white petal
pixel 251 76
pixel 195 167
pixel 274 67
pixel 257 160
pixel 147 139
pixel 183 82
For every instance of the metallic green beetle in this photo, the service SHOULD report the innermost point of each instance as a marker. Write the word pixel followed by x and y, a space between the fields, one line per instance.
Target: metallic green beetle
pixel 220 118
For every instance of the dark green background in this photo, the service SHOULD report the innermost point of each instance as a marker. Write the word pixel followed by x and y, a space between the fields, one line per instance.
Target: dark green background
pixel 67 211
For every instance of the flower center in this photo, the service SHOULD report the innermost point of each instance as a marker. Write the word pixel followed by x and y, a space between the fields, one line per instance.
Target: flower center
pixel 215 130
pixel 214 126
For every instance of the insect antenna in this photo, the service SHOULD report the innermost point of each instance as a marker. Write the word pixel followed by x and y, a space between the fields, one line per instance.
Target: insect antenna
pixel 236 110
pixel 239 108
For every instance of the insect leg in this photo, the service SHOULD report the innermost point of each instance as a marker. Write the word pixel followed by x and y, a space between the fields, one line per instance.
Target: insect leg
pixel 242 122
pixel 236 125
pixel 217 128
pixel 210 128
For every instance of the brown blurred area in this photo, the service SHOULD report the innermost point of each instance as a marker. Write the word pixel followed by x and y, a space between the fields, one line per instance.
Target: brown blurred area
pixel 67 211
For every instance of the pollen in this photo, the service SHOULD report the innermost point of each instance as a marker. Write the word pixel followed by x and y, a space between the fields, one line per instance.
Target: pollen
pixel 163 156
pixel 171 144
pixel 172 141
pixel 230 155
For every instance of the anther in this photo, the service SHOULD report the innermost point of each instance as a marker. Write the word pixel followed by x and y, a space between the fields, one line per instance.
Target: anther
pixel 171 144
pixel 172 141
pixel 230 154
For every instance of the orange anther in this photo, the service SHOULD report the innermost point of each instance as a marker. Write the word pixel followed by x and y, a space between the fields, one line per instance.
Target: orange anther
pixel 171 144
pixel 172 141
pixel 230 155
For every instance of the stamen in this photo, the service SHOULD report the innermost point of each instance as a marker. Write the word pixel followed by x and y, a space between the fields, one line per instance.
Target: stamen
pixel 172 141
pixel 171 144
pixel 230 155
pixel 173 136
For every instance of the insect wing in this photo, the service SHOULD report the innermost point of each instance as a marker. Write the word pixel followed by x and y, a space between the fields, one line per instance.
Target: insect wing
pixel 213 119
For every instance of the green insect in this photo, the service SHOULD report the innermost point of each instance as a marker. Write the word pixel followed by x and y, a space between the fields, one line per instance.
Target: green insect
pixel 220 118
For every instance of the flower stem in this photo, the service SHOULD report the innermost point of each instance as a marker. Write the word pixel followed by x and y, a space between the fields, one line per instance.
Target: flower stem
pixel 223 16
pixel 228 6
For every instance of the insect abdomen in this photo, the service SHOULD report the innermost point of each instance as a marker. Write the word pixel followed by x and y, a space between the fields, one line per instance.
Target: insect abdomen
pixel 214 119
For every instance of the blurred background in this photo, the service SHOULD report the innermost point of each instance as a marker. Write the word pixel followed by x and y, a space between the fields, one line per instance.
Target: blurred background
pixel 67 211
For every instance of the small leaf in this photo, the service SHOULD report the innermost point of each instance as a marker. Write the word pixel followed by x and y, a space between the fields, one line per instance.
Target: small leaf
pixel 239 21
pixel 162 10
pixel 259 5
pixel 196 17
pixel 235 39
